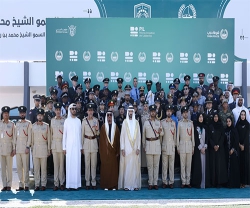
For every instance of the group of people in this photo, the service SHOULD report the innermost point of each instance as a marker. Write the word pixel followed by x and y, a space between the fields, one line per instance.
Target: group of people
pixel 120 132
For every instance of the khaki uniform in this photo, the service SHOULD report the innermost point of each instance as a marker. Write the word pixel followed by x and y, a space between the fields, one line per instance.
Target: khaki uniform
pixel 7 131
pixel 168 150
pixel 22 140
pixel 56 135
pixel 144 116
pixel 121 94
pixel 185 145
pixel 116 111
pixel 90 148
pixel 152 148
pixel 40 143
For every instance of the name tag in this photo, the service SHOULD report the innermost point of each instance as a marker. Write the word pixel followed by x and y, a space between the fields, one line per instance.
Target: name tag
pixel 2 135
pixel 17 132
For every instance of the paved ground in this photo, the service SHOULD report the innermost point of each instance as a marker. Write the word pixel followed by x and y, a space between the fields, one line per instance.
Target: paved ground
pixel 161 198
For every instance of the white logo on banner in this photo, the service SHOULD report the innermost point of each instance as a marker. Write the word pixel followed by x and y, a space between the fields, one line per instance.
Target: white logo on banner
pixel 142 10
pixel 71 74
pixel 114 56
pixel 142 77
pixel 181 77
pixel 169 57
pixel 169 77
pixel 129 57
pixel 155 77
pixel 183 58
pixel 187 11
pixel 224 78
pixel 86 56
pixel 73 55
pixel 197 58
pixel 133 31
pixel 114 76
pixel 156 57
pixel 195 78
pixel 59 55
pixel 211 58
pixel 57 73
pixel 100 76
pixel 224 58
pixel 86 74
pixel 210 78
pixel 224 34
pixel 142 56
pixel 101 56
pixel 127 76
pixel 72 30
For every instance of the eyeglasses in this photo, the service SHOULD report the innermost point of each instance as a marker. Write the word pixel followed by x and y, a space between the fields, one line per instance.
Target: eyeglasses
pixel 73 109
pixel 109 115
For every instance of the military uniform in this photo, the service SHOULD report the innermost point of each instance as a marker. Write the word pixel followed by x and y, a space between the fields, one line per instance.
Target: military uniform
pixel 185 146
pixel 90 148
pixel 144 117
pixel 152 145
pixel 56 132
pixel 168 150
pixel 7 131
pixel 22 141
pixel 40 144
pixel 32 114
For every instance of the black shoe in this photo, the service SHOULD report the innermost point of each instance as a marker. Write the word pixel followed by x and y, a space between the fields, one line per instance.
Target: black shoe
pixel 20 189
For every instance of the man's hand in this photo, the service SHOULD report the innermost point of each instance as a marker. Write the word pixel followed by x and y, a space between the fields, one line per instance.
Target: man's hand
pixel 160 130
pixel 137 152
pixel 231 152
pixel 49 153
pixel 27 151
pixel 216 148
pixel 178 151
pixel 123 153
pixel 96 127
pixel 64 152
pixel 203 151
pixel 13 153
pixel 192 152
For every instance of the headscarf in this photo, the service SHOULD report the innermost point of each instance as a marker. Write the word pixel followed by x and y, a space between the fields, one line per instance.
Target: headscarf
pixel 229 128
pixel 198 123
pixel 131 123
pixel 242 122
pixel 218 124
pixel 72 105
pixel 113 127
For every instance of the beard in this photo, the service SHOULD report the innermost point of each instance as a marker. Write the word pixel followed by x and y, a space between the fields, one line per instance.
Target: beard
pixel 130 116
pixel 168 116
pixel 120 87
pixel 22 117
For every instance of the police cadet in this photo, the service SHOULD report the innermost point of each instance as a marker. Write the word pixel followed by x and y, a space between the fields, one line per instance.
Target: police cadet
pixel 56 135
pixel 160 114
pixel 7 148
pixel 187 79
pixel 53 94
pixel 121 93
pixel 168 148
pixel 114 95
pixel 185 146
pixel 120 118
pixel 217 90
pixel 105 87
pixel 43 101
pixel 33 111
pixel 149 96
pixel 141 103
pixel 177 83
pixel 152 130
pixel 87 83
pixel 72 90
pixel 96 95
pixel 137 115
pixel 90 131
pixel 202 85
pixel 40 144
pixel 79 108
pixel 22 141
pixel 209 111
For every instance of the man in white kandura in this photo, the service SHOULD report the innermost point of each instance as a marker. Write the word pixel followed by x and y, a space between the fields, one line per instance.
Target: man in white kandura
pixel 72 147
pixel 130 159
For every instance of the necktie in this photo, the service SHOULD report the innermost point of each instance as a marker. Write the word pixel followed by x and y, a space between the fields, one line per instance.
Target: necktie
pixel 136 93
pixel 110 131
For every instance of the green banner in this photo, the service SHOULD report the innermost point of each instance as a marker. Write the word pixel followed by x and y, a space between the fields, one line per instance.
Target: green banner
pixel 155 49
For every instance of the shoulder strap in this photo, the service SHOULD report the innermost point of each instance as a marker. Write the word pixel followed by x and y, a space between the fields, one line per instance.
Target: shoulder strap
pixel 90 127
pixel 152 127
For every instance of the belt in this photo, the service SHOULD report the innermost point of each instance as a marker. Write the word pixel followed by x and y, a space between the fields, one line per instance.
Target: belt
pixel 152 139
pixel 89 137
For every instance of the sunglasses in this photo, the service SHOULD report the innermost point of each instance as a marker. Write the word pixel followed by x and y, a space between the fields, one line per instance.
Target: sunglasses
pixel 73 108
pixel 109 115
